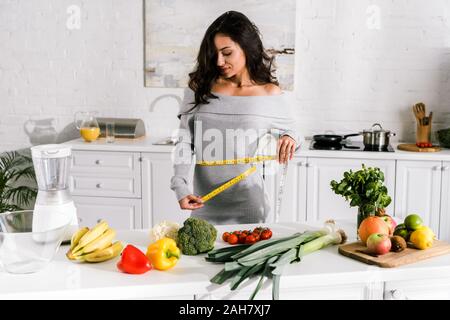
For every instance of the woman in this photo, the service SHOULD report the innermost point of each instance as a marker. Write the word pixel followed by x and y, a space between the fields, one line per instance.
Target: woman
pixel 235 100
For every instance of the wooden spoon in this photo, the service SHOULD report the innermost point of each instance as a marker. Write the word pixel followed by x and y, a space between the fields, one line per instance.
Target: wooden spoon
pixel 416 113
pixel 420 109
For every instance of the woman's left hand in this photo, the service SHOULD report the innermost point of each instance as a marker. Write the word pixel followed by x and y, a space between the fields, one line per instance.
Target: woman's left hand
pixel 286 149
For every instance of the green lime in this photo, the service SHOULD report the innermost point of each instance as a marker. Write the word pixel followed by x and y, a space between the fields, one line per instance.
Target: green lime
pixel 400 226
pixel 413 222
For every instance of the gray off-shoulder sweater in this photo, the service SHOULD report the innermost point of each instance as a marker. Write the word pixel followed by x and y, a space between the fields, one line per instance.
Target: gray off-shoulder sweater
pixel 228 128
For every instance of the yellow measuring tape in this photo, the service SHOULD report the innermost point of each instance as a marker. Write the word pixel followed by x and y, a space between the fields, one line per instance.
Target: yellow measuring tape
pixel 236 161
pixel 236 179
pixel 228 184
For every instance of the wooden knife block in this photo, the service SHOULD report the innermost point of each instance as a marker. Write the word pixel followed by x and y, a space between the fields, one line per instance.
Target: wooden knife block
pixel 423 133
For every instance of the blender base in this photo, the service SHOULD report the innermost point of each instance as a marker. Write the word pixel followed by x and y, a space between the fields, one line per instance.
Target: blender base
pixel 67 211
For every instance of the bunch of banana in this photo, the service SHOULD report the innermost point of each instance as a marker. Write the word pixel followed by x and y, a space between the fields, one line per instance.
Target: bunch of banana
pixel 94 245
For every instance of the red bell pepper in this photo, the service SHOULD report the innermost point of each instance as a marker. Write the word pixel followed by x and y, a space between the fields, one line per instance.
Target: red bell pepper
pixel 134 261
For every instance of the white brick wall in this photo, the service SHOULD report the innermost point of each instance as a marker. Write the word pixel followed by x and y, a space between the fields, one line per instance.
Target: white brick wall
pixel 361 62
pixel 358 62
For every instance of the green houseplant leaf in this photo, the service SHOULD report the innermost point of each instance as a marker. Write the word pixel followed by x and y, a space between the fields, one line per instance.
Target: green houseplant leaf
pixel 15 168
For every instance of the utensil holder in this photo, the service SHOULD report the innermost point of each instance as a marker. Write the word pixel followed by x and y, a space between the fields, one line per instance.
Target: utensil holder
pixel 423 133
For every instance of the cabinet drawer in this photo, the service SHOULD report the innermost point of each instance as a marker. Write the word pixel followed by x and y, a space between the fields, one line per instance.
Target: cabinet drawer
pixel 99 186
pixel 113 163
pixel 105 174
pixel 434 289
pixel 119 213
pixel 339 292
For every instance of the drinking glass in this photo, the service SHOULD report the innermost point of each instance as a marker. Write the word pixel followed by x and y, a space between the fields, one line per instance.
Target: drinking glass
pixel 110 132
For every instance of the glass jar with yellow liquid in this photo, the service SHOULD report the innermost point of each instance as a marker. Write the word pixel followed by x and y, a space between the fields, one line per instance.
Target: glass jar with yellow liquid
pixel 88 125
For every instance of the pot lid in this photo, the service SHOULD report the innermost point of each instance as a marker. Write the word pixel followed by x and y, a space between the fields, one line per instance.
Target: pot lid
pixel 373 128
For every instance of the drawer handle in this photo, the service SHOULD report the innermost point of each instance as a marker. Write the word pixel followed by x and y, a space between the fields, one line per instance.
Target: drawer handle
pixel 398 295
pixel 98 185
pixel 99 220
pixel 445 168
pixel 80 220
pixel 98 162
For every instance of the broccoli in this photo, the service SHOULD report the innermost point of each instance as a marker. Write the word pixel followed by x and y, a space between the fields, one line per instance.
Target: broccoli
pixel 196 236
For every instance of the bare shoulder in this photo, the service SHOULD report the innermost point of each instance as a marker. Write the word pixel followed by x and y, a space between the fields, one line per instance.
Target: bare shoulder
pixel 272 89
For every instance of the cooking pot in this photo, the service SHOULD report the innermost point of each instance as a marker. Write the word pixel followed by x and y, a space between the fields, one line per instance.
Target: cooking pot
pixel 376 138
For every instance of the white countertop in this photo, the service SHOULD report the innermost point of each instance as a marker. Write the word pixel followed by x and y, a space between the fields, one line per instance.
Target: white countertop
pixel 64 279
pixel 146 145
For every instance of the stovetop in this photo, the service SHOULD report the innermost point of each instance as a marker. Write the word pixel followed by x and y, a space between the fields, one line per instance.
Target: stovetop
pixel 347 146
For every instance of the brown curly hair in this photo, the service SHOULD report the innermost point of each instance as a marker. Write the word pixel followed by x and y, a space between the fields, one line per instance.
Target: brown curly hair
pixel 245 33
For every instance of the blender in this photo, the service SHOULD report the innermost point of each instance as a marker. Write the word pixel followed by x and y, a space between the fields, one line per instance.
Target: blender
pixel 54 205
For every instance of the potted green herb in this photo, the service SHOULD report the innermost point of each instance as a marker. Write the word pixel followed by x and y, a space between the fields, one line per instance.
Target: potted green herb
pixel 364 189
pixel 15 169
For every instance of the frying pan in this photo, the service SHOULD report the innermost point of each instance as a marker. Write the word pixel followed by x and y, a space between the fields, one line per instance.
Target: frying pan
pixel 332 138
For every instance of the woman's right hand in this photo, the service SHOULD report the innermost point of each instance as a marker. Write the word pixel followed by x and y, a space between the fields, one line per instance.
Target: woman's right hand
pixel 191 202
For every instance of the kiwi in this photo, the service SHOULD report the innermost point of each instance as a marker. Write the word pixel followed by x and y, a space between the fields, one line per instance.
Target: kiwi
pixel 397 244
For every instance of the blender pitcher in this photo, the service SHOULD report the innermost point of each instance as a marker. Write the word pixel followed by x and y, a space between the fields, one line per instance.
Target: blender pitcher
pixel 86 122
pixel 54 205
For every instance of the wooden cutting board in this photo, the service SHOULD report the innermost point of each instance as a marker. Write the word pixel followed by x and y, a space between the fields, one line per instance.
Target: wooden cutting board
pixel 394 259
pixel 414 148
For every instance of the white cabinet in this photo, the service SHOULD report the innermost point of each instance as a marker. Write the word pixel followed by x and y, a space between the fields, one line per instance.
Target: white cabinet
pixel 140 182
pixel 158 200
pixel 358 291
pixel 434 289
pixel 107 185
pixel 105 174
pixel 418 190
pixel 323 203
pixel 128 189
pixel 307 195
pixel 293 204
pixel 444 222
pixel 119 213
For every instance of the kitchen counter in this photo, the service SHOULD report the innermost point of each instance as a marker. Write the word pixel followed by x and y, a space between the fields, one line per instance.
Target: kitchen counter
pixel 146 145
pixel 63 279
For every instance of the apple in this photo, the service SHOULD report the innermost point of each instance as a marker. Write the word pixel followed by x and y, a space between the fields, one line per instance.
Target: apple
pixel 378 243
pixel 372 225
pixel 390 222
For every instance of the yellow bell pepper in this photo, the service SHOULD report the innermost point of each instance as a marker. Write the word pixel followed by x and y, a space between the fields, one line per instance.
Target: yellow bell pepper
pixel 163 254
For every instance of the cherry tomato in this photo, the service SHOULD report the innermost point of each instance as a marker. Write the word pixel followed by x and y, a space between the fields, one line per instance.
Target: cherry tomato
pixel 266 234
pixel 250 239
pixel 232 239
pixel 225 236
pixel 256 235
pixel 242 237
pixel 258 230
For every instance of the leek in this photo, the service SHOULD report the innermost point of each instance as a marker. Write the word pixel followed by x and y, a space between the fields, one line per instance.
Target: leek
pixel 269 258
